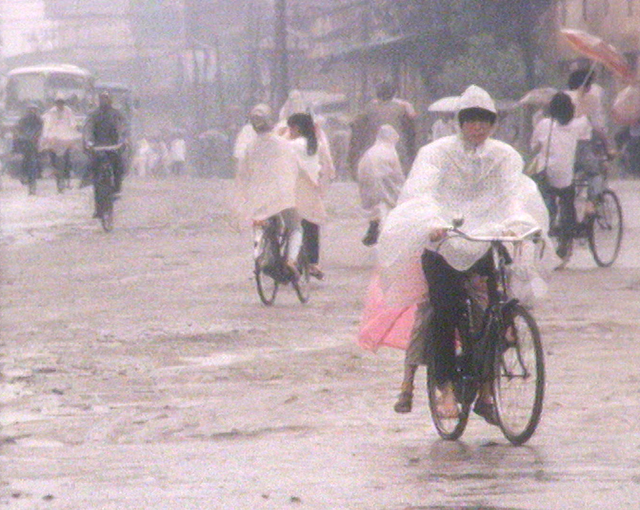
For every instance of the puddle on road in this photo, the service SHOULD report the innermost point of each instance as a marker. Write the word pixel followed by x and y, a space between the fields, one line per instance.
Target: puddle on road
pixel 218 360
pixel 244 434
pixel 14 417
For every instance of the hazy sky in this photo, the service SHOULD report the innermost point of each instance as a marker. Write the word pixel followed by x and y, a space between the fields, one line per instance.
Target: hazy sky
pixel 21 20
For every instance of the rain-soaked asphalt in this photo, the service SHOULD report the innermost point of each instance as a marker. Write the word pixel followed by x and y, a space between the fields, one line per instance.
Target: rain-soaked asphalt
pixel 139 371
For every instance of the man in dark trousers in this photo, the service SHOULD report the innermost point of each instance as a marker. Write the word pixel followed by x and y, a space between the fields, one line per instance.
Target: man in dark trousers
pixel 28 132
pixel 384 109
pixel 106 127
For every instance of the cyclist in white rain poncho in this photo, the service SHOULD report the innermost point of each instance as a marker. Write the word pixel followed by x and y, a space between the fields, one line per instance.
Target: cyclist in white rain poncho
pixel 470 176
pixel 267 182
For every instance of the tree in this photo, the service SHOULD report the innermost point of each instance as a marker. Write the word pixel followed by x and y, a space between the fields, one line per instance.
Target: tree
pixel 517 23
pixel 446 31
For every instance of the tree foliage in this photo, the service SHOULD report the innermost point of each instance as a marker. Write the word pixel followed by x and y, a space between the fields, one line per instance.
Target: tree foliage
pixel 487 37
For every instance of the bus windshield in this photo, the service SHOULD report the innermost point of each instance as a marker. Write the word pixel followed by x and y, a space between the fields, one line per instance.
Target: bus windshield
pixel 41 86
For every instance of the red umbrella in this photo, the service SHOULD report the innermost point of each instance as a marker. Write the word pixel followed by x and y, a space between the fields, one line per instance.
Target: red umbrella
pixel 597 49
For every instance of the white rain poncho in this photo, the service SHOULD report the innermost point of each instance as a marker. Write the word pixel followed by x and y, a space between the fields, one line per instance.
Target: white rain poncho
pixel 380 175
pixel 450 179
pixel 267 178
pixel 59 132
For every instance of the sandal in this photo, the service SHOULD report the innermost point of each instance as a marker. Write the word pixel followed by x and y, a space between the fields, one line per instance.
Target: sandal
pixel 487 411
pixel 293 270
pixel 404 403
pixel 316 272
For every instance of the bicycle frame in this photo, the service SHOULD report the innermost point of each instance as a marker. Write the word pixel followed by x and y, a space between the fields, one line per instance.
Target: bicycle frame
pixel 486 341
pixel 504 360
pixel 104 184
pixel 272 248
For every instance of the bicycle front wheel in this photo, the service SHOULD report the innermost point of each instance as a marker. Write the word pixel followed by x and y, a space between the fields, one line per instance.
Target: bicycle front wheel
pixel 605 232
pixel 267 285
pixel 106 218
pixel 448 428
pixel 518 384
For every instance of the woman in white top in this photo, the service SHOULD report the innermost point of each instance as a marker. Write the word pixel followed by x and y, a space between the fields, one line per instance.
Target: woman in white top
pixel 556 138
pixel 309 204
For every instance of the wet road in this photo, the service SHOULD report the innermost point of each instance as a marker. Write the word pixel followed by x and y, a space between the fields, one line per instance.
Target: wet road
pixel 140 371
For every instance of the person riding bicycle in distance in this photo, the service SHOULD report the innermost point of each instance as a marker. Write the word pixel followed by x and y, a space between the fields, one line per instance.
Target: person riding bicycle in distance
pixel 471 176
pixel 556 138
pixel 267 180
pixel 105 126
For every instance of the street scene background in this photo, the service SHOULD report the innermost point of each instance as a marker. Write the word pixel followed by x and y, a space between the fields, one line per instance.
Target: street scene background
pixel 139 370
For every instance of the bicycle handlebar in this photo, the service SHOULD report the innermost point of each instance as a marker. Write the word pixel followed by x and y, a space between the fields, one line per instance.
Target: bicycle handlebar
pixel 533 234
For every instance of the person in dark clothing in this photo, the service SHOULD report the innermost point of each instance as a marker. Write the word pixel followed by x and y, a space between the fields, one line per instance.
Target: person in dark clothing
pixel 386 108
pixel 106 127
pixel 28 132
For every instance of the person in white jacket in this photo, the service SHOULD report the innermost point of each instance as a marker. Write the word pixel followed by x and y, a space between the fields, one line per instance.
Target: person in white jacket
pixel 60 135
pixel 309 196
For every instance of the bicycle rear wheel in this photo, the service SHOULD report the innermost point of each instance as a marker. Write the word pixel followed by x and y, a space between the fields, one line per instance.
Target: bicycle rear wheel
pixel 301 284
pixel 518 384
pixel 605 230
pixel 447 428
pixel 266 282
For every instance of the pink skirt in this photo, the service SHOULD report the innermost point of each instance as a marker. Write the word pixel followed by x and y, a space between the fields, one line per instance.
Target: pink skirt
pixel 382 325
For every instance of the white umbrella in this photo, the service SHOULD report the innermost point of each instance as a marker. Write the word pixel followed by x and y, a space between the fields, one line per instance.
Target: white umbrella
pixel 445 104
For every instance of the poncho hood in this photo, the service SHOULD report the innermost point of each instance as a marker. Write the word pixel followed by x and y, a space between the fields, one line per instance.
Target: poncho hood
pixel 476 97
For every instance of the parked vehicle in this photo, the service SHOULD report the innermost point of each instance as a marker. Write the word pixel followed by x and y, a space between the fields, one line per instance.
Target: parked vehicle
pixel 40 85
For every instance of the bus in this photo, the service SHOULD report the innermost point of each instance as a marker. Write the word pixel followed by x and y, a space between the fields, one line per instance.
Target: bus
pixel 40 85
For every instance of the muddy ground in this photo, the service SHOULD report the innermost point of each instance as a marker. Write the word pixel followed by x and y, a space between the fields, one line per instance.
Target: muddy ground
pixel 139 370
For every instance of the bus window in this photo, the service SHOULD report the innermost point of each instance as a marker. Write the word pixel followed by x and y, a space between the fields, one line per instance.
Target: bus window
pixel 30 88
pixel 41 85
pixel 72 88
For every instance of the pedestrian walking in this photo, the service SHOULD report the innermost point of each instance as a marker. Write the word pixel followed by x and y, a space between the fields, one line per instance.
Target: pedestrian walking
pixel 177 153
pixel 384 109
pixel 27 141
pixel 380 180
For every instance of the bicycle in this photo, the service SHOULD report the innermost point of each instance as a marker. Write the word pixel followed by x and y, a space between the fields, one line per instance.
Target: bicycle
pixel 599 219
pixel 270 263
pixel 503 353
pixel 104 186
